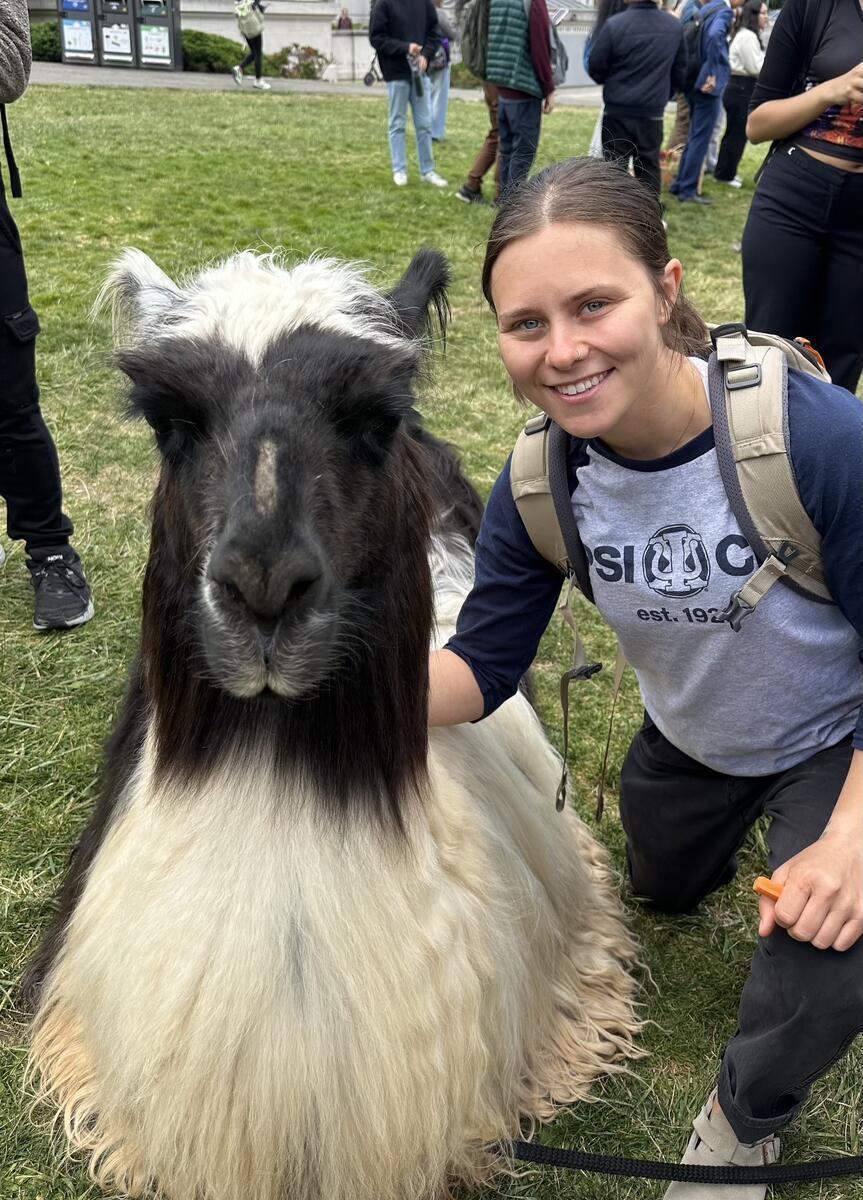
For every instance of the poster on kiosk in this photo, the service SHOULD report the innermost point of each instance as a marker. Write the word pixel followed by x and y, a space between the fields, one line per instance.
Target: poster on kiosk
pixel 77 31
pixel 116 36
pixel 157 28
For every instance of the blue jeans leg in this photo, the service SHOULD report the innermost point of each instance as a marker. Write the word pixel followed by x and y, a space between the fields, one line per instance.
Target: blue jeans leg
pixel 398 91
pixel 520 122
pixel 421 110
pixel 701 125
pixel 440 102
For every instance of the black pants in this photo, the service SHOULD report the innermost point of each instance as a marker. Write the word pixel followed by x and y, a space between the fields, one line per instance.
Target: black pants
pixel 803 259
pixel 29 469
pixel 735 98
pixel 254 55
pixel 519 122
pixel 639 138
pixel 800 1007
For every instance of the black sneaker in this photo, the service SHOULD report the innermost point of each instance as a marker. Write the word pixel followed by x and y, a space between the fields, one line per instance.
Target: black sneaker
pixel 468 195
pixel 63 597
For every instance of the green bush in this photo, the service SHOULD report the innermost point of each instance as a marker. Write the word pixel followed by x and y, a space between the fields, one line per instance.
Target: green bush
pixel 461 77
pixel 210 53
pixel 45 39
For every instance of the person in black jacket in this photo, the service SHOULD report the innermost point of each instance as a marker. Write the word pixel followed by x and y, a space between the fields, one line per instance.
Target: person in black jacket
pixel 405 34
pixel 639 57
pixel 29 468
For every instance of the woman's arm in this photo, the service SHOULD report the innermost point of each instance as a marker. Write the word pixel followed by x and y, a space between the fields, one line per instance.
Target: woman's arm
pixel 454 694
pixel 777 119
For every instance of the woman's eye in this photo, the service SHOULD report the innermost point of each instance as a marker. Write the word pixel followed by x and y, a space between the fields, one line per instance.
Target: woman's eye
pixel 594 306
pixel 529 324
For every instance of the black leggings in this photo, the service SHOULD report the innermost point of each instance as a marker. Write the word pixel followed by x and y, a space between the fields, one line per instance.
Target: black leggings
pixel 735 99
pixel 254 55
pixel 29 470
pixel 803 259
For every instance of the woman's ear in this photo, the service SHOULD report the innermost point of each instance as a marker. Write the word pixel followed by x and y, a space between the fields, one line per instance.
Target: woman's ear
pixel 672 277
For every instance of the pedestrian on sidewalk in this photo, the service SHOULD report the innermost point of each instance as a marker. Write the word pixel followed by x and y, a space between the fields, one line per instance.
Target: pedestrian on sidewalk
pixel 250 20
pixel 406 36
pixel 639 57
pixel 29 467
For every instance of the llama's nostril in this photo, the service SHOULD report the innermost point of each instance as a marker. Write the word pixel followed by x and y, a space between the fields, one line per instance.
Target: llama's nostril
pixel 298 589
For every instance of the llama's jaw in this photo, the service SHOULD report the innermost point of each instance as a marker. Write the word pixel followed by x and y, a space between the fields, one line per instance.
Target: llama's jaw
pixel 291 661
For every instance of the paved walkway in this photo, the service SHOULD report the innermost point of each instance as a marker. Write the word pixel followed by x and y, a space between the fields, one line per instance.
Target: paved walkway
pixel 69 73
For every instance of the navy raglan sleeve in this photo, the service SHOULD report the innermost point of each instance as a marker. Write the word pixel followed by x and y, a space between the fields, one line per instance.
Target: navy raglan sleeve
pixel 512 601
pixel 825 425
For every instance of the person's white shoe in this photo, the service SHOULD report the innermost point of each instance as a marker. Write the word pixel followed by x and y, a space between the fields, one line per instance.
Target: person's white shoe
pixel 262 85
pixel 237 73
pixel 736 182
pixel 434 179
pixel 400 178
pixel 2 556
pixel 714 1144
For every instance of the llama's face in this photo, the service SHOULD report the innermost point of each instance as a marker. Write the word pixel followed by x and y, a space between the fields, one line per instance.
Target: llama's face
pixel 277 463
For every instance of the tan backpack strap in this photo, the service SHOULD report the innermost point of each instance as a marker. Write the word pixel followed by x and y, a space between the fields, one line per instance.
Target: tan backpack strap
pixel 531 491
pixel 749 398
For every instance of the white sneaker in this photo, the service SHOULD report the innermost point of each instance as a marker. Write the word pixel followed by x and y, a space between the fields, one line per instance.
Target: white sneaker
pixel 433 178
pixel 262 85
pixel 714 1144
pixel 2 556
pixel 400 178
pixel 736 182
pixel 237 73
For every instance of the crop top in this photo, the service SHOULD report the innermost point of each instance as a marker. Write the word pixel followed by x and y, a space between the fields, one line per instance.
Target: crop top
pixel 838 131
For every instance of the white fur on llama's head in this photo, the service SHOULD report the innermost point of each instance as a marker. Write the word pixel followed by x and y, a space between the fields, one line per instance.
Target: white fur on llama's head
pixel 245 301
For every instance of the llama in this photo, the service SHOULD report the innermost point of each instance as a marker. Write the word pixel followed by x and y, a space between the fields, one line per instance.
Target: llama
pixel 307 949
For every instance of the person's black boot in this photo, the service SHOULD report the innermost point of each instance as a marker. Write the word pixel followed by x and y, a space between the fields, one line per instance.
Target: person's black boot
pixel 63 597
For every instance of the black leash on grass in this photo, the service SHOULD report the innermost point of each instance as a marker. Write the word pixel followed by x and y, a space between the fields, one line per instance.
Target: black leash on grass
pixel 643 1168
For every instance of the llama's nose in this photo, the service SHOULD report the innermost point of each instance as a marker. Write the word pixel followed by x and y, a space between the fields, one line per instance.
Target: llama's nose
pixel 269 591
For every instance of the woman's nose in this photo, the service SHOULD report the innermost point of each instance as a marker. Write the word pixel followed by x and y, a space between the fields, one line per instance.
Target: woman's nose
pixel 564 348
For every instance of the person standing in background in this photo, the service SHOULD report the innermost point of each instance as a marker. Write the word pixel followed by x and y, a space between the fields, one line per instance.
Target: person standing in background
pixel 803 241
pixel 439 74
pixel 746 56
pixel 639 57
pixel 604 10
pixel 29 467
pixel 406 36
pixel 705 98
pixel 250 20
pixel 519 63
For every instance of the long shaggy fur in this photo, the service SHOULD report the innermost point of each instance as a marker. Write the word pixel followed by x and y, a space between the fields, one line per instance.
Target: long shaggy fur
pixel 247 999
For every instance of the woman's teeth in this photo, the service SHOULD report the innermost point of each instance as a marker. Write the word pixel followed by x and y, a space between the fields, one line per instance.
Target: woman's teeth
pixel 584 385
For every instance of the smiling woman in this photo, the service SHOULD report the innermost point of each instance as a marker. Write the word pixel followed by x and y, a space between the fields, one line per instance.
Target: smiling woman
pixel 594 330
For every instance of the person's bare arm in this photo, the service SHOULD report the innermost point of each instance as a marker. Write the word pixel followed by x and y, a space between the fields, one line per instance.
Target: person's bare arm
pixel 454 694
pixel 15 54
pixel 776 119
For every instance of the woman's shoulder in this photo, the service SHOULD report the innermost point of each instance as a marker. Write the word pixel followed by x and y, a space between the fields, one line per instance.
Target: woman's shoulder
pixel 825 423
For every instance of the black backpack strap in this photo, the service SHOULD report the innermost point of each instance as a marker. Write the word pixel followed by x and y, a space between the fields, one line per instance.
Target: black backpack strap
pixel 558 479
pixel 14 177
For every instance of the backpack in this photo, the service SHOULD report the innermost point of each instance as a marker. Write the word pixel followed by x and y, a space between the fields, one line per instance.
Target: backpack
pixel 747 378
pixel 693 38
pixel 474 37
pixel 559 56
pixel 249 18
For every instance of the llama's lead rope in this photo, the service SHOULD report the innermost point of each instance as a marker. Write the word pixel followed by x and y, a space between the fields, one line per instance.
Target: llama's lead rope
pixel 641 1168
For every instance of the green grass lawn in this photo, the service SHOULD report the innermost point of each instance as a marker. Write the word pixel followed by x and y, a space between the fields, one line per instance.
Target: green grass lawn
pixel 190 177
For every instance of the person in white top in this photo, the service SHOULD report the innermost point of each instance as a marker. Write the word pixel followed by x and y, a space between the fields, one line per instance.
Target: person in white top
pixel 746 55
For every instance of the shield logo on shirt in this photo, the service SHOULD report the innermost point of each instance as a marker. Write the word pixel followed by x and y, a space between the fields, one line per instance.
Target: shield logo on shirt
pixel 675 562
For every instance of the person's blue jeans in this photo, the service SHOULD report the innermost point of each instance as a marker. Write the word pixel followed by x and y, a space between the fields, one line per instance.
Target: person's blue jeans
pixel 402 92
pixel 520 121
pixel 439 101
pixel 701 125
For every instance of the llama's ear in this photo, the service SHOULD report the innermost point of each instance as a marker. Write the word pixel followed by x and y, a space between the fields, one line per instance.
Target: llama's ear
pixel 420 296
pixel 139 294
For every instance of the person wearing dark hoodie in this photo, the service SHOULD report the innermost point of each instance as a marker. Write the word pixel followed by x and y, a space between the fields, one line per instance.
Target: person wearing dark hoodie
pixel 29 467
pixel 639 57
pixel 406 35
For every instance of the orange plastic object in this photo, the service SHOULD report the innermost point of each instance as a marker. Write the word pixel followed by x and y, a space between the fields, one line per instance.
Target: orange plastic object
pixel 766 887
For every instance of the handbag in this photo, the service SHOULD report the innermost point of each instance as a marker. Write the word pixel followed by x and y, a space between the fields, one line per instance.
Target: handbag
pixel 250 20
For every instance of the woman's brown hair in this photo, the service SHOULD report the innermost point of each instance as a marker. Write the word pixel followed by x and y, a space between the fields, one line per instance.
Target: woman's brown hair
pixel 592 191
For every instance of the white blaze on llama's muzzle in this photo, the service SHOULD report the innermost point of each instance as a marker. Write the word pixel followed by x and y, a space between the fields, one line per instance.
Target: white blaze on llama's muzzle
pixel 267 623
